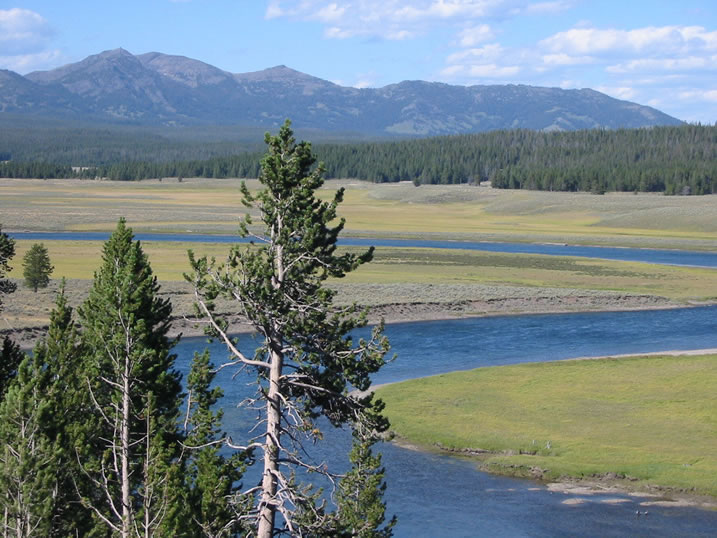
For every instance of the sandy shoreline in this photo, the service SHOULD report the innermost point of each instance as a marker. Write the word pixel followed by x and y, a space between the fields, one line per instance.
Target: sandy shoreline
pixel 408 312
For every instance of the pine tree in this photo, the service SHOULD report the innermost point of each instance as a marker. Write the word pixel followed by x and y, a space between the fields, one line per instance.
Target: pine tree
pixel 61 354
pixel 38 458
pixel 37 267
pixel 7 251
pixel 27 459
pixel 307 359
pixel 361 511
pixel 10 358
pixel 215 504
pixel 134 389
pixel 10 353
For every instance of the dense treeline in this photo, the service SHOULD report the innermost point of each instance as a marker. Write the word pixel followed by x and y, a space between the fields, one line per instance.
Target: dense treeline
pixel 81 146
pixel 75 143
pixel 662 159
pixel 674 160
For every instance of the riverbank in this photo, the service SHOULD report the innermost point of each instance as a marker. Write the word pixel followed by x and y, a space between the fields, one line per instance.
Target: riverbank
pixel 26 313
pixel 630 424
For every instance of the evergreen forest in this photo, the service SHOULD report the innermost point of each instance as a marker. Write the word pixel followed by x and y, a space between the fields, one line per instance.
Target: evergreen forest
pixel 672 160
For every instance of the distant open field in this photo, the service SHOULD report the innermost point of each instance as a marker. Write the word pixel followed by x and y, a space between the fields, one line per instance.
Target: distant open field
pixel 418 266
pixel 402 283
pixel 649 420
pixel 451 212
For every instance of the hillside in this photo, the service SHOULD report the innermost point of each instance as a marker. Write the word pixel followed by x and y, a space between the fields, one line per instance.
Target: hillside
pixel 160 89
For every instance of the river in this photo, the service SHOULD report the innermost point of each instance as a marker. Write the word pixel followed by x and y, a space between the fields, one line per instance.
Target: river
pixel 666 257
pixel 437 495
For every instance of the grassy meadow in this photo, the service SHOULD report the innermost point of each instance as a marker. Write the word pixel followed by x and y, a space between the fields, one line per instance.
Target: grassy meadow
pixel 398 266
pixel 649 420
pixel 449 212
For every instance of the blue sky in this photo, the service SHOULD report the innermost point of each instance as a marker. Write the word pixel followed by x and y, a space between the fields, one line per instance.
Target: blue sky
pixel 658 53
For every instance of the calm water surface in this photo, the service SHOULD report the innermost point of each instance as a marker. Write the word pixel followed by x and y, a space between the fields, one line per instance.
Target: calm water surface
pixel 436 495
pixel 669 257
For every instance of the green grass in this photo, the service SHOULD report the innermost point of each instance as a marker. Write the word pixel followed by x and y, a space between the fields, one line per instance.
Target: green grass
pixel 650 419
pixel 450 212
pixel 79 259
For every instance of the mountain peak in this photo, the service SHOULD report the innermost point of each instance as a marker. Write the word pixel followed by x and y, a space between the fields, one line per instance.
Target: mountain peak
pixel 156 88
pixel 278 73
pixel 113 53
pixel 192 73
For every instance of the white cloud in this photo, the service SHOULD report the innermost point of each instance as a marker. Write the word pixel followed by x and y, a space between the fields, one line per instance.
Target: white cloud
pixel 490 61
pixel 23 32
pixel 453 70
pixel 399 35
pixel 699 95
pixel 491 51
pixel 474 37
pixel 274 11
pixel 364 84
pixel 545 8
pixel 650 40
pixel 494 71
pixel 470 37
pixel 566 59
pixel 490 71
pixel 395 19
pixel 24 41
pixel 664 64
pixel 335 32
pixel 330 13
pixel 447 9
pixel 25 63
pixel 670 67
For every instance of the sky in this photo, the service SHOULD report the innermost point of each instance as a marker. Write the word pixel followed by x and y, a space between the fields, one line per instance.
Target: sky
pixel 657 53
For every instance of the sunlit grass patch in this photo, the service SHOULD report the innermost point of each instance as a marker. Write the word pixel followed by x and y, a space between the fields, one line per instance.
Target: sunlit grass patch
pixel 649 418
pixel 448 211
pixel 393 265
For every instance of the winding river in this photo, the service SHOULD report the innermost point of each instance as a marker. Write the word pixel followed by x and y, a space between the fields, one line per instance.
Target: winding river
pixel 436 495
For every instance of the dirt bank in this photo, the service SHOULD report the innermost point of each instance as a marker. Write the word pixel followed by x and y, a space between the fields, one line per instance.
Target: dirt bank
pixel 26 313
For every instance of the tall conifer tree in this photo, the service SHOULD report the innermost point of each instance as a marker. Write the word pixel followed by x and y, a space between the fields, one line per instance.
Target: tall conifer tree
pixel 37 267
pixel 215 505
pixel 307 360
pixel 134 388
pixel 37 457
pixel 27 459
pixel 10 353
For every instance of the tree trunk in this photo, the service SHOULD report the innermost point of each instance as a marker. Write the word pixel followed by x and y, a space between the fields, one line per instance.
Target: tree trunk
pixel 124 452
pixel 267 512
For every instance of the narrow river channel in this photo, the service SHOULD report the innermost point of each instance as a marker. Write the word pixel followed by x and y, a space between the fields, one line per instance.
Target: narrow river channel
pixel 668 257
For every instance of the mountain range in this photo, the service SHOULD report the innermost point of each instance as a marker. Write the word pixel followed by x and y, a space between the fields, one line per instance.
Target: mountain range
pixel 159 89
